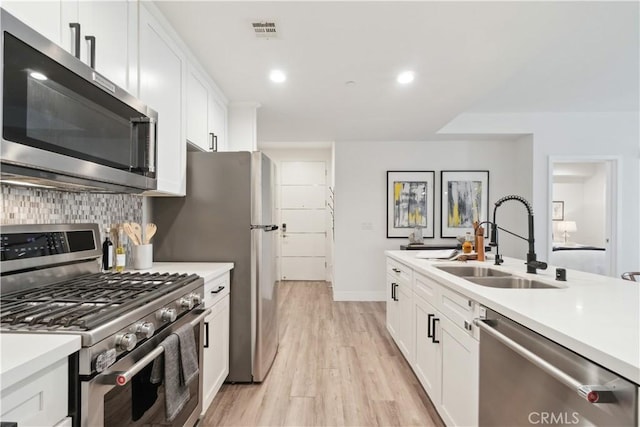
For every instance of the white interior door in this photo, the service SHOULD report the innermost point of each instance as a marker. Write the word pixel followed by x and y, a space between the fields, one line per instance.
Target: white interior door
pixel 303 215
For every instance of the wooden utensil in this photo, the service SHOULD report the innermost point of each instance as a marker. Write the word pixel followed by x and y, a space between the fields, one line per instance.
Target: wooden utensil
pixel 137 230
pixel 131 233
pixel 150 231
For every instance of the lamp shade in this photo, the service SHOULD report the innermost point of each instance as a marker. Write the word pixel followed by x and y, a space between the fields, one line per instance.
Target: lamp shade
pixel 567 226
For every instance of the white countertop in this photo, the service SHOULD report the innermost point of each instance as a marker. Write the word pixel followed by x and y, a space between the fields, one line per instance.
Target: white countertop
pixel 206 270
pixel 595 316
pixel 22 355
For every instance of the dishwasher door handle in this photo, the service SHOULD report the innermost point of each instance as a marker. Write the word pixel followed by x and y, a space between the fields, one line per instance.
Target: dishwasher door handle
pixel 591 393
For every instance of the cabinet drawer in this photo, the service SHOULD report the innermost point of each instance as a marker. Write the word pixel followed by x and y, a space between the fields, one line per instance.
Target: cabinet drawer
pixel 399 271
pixel 457 308
pixel 216 289
pixel 39 400
pixel 426 288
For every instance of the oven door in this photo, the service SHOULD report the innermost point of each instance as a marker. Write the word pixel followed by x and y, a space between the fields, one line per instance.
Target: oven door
pixel 137 402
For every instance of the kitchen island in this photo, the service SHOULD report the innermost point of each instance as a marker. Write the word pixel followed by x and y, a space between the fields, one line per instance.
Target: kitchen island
pixel 434 312
pixel 596 316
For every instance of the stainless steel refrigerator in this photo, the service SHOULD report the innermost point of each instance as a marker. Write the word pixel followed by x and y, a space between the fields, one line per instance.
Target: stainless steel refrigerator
pixel 228 216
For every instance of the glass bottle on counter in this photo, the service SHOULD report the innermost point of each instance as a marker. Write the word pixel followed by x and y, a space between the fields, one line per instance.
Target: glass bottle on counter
pixel 121 255
pixel 467 246
pixel 107 252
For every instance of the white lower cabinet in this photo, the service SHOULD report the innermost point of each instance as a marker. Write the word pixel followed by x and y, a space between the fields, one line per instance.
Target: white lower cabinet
pixel 459 374
pixel 406 324
pixel 216 338
pixel 428 364
pixel 39 400
pixel 431 325
pixel 392 307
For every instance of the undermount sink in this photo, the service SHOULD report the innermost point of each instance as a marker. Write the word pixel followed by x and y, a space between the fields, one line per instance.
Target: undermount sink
pixel 493 278
pixel 468 271
pixel 511 282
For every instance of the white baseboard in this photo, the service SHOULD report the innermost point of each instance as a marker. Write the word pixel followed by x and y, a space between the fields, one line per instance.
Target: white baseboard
pixel 359 296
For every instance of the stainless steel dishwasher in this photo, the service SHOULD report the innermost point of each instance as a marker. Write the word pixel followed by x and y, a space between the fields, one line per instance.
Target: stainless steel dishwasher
pixel 527 379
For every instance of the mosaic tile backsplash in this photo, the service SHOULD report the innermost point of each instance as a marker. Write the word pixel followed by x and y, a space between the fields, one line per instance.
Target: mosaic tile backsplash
pixel 22 205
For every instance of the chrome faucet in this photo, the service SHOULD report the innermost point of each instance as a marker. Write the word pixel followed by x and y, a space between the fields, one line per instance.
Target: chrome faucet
pixel 532 263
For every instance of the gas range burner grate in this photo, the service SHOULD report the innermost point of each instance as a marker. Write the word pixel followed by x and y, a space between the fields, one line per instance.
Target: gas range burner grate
pixel 86 302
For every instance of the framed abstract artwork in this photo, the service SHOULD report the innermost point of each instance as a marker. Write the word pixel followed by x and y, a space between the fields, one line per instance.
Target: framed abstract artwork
pixel 464 199
pixel 410 200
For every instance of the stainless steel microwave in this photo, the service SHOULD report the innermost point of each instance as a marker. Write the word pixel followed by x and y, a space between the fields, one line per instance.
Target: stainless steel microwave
pixel 64 125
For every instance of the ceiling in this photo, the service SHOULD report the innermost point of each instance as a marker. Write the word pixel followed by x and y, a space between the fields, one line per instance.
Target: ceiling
pixel 467 57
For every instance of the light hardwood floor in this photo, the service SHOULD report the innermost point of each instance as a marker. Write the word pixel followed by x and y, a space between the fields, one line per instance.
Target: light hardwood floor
pixel 336 366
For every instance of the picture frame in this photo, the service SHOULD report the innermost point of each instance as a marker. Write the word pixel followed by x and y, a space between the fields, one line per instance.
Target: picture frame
pixel 464 198
pixel 557 210
pixel 410 203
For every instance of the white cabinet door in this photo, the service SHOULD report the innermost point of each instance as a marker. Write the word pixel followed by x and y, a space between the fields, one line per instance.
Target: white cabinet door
pixel 405 321
pixel 428 355
pixel 218 121
pixel 110 23
pixel 197 109
pixel 392 307
pixel 216 352
pixel 162 66
pixel 460 375
pixel 42 16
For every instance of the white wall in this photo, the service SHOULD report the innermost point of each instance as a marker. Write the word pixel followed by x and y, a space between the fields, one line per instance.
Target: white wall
pixel 360 180
pixel 575 134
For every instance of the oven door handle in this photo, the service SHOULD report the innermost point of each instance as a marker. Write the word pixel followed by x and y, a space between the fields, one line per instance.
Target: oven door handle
pixel 121 378
pixel 591 393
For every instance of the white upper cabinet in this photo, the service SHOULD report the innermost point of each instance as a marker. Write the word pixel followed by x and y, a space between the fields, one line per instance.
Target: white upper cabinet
pixel 206 113
pixel 218 122
pixel 110 26
pixel 162 67
pixel 198 110
pixel 38 15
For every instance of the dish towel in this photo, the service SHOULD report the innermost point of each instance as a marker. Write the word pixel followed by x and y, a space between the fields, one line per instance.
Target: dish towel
pixel 176 391
pixel 188 353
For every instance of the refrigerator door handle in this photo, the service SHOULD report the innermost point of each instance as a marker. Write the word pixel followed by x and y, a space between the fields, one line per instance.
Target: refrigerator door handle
pixel 271 227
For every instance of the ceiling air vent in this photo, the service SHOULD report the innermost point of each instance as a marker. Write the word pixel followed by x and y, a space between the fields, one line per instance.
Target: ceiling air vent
pixel 265 29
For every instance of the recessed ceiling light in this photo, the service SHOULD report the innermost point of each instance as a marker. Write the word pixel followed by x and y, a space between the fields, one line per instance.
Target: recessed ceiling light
pixel 38 76
pixel 406 77
pixel 277 76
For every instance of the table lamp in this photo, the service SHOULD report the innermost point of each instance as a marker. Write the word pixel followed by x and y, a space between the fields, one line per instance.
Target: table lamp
pixel 566 227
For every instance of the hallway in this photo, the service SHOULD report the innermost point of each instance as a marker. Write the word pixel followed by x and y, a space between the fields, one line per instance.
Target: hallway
pixel 336 366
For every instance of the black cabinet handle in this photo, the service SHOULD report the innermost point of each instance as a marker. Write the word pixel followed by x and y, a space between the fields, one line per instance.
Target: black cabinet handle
pixel 92 50
pixel 394 290
pixel 214 142
pixel 217 290
pixel 433 338
pixel 212 136
pixel 76 28
pixel 206 335
pixel 429 333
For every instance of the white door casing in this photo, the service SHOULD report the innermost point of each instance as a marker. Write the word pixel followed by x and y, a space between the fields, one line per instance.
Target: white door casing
pixel 303 215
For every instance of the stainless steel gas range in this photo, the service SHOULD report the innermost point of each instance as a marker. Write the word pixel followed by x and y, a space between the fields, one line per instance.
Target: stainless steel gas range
pixel 51 283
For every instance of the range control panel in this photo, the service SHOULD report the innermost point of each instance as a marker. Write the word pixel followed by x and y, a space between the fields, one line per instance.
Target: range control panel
pixel 32 245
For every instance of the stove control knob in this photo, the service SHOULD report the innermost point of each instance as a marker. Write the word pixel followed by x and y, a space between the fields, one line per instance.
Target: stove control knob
pixel 145 330
pixel 126 342
pixel 186 302
pixel 167 315
pixel 197 299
